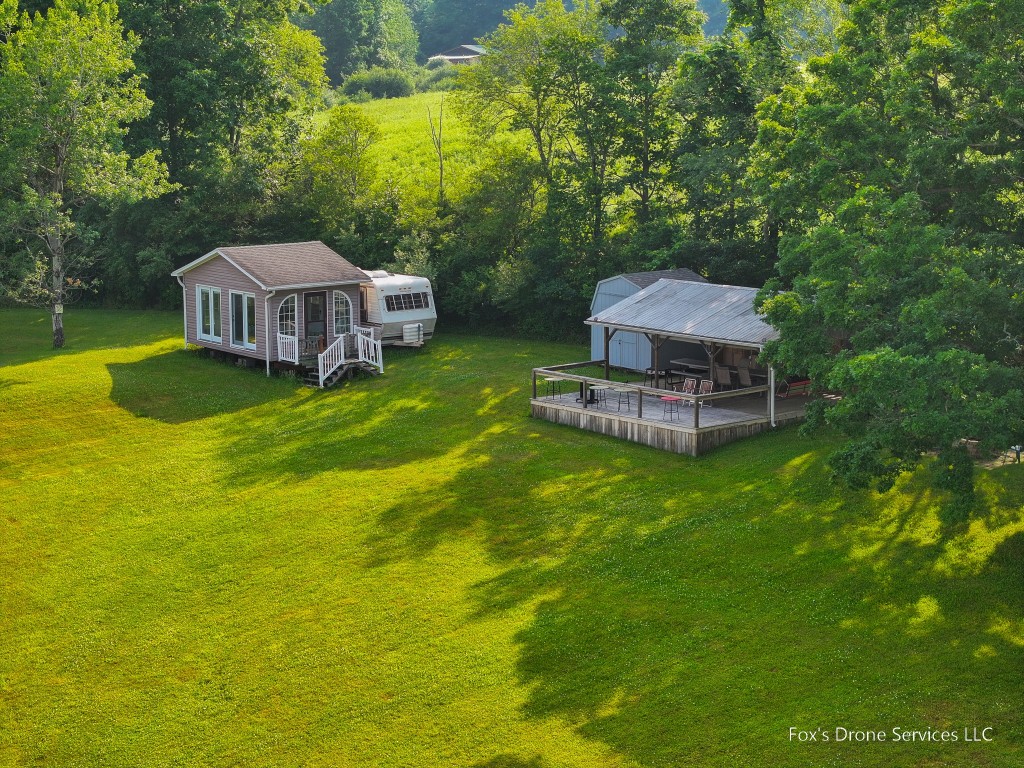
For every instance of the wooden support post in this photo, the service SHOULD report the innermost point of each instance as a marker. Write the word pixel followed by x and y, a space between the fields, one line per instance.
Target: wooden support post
pixel 607 340
pixel 639 403
pixel 696 413
pixel 657 361
pixel 534 385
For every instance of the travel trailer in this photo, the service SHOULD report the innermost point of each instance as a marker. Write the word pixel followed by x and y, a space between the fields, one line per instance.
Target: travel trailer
pixel 402 306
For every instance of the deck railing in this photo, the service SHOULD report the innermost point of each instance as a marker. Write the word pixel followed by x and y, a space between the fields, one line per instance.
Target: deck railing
pixel 331 358
pixel 288 348
pixel 368 348
pixel 585 382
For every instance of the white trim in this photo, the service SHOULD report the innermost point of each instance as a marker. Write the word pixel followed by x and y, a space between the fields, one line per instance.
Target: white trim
pixel 209 257
pixel 245 319
pixel 295 331
pixel 199 314
pixel 298 286
pixel 266 326
pixel 334 314
pixel 184 308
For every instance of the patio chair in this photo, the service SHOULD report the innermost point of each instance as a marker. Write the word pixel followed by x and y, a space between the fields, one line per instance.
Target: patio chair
pixel 688 387
pixel 723 377
pixel 707 386
pixel 743 374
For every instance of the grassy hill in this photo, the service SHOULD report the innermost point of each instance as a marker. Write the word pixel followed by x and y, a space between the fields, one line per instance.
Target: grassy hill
pixel 202 566
pixel 405 154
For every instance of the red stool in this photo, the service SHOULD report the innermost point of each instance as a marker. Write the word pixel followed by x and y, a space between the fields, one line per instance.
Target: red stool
pixel 670 407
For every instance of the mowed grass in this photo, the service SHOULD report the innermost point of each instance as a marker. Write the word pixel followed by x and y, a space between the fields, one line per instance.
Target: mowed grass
pixel 200 566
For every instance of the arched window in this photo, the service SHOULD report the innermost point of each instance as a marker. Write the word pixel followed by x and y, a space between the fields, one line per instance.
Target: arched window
pixel 286 317
pixel 342 313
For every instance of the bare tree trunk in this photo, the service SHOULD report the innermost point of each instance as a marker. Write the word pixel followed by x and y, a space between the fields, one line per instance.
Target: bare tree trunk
pixel 57 289
pixel 436 138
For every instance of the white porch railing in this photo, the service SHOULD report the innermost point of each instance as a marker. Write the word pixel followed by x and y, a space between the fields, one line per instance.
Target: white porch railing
pixel 288 348
pixel 369 348
pixel 331 358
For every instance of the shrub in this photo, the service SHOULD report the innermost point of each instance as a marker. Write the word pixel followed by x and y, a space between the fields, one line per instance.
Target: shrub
pixel 380 83
pixel 440 78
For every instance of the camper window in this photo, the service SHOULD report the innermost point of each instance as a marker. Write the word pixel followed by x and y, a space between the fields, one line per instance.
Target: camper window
pixel 401 301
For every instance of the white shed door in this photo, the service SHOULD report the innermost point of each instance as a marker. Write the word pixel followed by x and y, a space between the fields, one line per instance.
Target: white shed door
pixel 625 353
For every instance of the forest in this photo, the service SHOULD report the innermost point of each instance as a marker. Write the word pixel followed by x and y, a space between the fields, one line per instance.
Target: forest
pixel 862 161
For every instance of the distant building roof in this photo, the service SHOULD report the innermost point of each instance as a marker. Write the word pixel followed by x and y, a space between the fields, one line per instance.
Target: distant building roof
pixel 691 310
pixel 461 54
pixel 285 265
pixel 644 279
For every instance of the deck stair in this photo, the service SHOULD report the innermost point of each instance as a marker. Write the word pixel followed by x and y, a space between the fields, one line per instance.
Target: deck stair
pixel 338 362
pixel 311 378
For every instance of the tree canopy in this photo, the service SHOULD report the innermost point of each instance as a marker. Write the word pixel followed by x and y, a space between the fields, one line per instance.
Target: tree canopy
pixel 66 97
pixel 895 168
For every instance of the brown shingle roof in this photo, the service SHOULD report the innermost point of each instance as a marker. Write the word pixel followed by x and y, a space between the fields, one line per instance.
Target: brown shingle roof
pixel 644 279
pixel 293 264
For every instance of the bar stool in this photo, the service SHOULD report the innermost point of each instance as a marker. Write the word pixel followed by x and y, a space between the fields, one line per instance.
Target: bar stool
pixel 600 392
pixel 670 407
pixel 623 392
pixel 554 385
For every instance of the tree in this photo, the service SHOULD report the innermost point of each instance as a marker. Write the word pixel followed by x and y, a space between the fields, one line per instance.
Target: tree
pixel 445 24
pixel 641 61
pixel 232 84
pixel 895 171
pixel 66 95
pixel 335 171
pixel 358 34
pixel 516 85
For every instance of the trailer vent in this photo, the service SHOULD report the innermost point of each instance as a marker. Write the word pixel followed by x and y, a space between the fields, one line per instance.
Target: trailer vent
pixel 412 333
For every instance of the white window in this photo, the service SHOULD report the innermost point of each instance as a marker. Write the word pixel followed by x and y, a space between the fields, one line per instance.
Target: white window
pixel 286 317
pixel 208 313
pixel 399 302
pixel 342 313
pixel 243 320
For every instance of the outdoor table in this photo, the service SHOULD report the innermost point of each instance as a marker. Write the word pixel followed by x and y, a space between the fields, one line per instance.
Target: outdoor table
pixel 585 396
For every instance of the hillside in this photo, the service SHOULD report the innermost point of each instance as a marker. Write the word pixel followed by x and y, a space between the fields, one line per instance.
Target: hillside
pixel 405 155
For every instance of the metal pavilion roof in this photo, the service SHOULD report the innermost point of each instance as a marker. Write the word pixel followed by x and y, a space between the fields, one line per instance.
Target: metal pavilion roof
pixel 723 314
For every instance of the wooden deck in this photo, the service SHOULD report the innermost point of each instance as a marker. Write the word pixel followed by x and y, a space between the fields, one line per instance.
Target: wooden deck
pixel 728 416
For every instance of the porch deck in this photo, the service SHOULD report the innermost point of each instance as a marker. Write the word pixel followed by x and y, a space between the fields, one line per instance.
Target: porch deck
pixel 692 429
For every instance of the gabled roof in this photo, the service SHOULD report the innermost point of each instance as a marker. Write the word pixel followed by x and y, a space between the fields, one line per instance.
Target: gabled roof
pixel 285 265
pixel 462 50
pixel 689 310
pixel 644 279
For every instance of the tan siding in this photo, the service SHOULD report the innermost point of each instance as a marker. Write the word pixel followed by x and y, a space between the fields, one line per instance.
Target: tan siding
pixel 218 273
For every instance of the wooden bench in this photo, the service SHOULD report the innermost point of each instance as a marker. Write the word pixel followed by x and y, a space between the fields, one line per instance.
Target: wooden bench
pixel 791 388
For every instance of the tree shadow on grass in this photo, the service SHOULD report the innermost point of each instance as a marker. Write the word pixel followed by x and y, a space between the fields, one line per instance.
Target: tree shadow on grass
pixel 511 761
pixel 688 612
pixel 427 413
pixel 178 387
pixel 29 332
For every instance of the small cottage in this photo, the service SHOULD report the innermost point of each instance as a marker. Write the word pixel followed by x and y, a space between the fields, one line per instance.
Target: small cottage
pixel 628 349
pixel 291 305
pixel 463 54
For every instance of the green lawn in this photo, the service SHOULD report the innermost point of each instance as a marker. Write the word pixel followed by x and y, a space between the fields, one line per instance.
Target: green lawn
pixel 201 566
